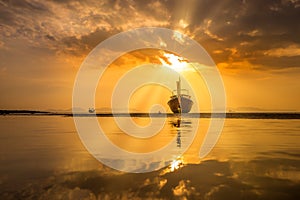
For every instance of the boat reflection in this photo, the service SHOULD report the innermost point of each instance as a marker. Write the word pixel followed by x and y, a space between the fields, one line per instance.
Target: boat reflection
pixel 178 138
pixel 176 123
pixel 180 125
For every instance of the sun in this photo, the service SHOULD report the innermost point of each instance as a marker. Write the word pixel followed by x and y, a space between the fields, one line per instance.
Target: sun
pixel 174 62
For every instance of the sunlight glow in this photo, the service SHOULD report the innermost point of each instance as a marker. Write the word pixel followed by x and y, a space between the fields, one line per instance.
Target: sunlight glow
pixel 174 62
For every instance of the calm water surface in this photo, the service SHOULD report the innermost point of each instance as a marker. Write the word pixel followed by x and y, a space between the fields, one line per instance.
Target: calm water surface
pixel 42 157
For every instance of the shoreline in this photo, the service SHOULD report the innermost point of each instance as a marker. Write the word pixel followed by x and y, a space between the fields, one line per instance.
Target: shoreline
pixel 237 115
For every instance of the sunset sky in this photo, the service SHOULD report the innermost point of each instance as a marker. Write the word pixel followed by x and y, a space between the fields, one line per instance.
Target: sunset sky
pixel 254 43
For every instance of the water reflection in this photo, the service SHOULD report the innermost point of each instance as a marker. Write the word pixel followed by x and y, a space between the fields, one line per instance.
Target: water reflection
pixel 181 125
pixel 178 138
pixel 176 123
pixel 155 152
pixel 43 158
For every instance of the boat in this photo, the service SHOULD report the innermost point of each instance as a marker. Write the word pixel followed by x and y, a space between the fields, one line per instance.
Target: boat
pixel 91 110
pixel 180 101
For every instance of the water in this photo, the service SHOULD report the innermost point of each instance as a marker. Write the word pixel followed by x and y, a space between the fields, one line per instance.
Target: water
pixel 42 157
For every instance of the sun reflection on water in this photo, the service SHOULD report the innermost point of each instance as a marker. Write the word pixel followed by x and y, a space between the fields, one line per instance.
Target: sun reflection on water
pixel 176 164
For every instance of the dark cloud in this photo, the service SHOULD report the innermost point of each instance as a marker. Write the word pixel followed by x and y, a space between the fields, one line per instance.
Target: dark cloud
pixel 277 62
pixel 256 23
pixel 75 27
pixel 257 179
pixel 50 37
pixel 78 46
pixel 6 16
pixel 30 5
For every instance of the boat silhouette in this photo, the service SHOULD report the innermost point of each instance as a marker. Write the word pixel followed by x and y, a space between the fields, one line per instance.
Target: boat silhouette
pixel 92 110
pixel 180 101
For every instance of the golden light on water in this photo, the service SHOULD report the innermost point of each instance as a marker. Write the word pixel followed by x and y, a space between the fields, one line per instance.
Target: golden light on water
pixel 176 164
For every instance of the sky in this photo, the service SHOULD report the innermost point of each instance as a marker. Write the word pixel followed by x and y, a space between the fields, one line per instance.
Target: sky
pixel 255 45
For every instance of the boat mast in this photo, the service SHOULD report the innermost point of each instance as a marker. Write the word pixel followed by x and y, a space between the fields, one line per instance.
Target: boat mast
pixel 179 93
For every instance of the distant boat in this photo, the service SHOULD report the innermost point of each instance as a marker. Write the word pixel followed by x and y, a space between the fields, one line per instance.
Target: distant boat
pixel 180 102
pixel 91 110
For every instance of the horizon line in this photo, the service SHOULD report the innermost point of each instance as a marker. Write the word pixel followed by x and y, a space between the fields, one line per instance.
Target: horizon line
pixel 245 115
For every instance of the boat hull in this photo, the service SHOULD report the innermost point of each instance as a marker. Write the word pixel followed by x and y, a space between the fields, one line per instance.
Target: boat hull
pixel 186 104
